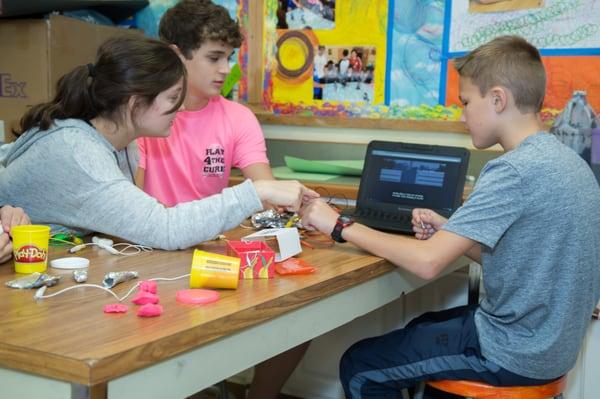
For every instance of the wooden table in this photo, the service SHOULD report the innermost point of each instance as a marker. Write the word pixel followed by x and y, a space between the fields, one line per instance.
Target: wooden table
pixel 66 347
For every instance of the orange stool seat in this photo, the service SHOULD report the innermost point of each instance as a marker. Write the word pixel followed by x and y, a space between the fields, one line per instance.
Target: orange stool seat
pixel 479 390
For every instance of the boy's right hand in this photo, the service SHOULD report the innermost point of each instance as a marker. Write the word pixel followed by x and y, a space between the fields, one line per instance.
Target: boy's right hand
pixel 288 194
pixel 426 222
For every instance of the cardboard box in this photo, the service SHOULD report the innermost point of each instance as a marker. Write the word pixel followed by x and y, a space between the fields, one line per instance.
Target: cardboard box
pixel 35 53
pixel 285 242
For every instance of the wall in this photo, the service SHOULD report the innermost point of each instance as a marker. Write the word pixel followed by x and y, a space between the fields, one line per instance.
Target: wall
pixel 339 143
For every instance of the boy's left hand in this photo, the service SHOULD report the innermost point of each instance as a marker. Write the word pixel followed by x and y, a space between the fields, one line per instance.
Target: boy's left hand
pixel 319 215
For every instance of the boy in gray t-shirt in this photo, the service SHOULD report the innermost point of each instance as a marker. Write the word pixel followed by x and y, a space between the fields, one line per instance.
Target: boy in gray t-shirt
pixel 533 222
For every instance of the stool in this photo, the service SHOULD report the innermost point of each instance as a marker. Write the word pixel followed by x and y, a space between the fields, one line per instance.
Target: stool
pixel 479 390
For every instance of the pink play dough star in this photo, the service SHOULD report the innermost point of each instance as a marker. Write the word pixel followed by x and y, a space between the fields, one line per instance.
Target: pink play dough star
pixel 148 286
pixel 143 297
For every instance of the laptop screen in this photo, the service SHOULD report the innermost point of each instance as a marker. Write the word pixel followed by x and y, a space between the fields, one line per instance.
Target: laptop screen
pixel 411 179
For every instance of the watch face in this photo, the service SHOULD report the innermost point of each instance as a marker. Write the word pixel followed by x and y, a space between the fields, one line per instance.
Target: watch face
pixel 345 219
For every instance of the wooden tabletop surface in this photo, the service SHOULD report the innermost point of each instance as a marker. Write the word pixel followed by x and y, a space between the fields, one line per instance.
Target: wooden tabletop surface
pixel 69 338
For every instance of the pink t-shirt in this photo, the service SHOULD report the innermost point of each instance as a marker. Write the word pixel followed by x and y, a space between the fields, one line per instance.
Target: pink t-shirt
pixel 195 160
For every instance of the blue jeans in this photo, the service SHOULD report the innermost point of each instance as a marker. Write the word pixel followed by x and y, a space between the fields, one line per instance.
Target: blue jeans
pixel 434 346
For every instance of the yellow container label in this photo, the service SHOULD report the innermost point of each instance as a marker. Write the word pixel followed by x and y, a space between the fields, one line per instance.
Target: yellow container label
pixel 30 248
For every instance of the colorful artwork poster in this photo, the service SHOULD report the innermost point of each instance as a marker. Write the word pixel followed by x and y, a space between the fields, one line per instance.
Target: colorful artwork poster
pixel 566 25
pixel 148 20
pixel 565 74
pixel 306 14
pixel 416 49
pixel 295 76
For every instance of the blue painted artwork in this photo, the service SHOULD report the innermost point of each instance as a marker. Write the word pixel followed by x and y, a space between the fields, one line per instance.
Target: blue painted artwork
pixel 416 49
pixel 148 18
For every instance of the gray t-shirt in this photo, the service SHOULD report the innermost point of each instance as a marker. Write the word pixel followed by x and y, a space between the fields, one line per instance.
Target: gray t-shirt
pixel 536 212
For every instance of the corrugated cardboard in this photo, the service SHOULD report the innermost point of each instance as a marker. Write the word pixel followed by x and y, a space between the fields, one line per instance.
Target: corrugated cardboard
pixel 35 53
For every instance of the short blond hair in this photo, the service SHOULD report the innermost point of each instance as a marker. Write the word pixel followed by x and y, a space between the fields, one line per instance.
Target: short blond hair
pixel 511 62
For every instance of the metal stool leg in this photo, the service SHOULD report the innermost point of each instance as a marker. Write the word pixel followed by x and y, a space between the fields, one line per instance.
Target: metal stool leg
pixel 223 392
pixel 419 391
pixel 474 282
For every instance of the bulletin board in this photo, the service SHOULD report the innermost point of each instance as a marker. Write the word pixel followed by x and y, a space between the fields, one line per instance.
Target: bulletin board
pixel 299 56
pixel 398 43
pixel 414 43
pixel 567 33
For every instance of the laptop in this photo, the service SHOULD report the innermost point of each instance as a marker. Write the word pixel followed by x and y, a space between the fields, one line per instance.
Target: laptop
pixel 398 177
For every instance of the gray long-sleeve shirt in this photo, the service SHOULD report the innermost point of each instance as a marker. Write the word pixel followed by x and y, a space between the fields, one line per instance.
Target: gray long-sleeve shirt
pixel 72 178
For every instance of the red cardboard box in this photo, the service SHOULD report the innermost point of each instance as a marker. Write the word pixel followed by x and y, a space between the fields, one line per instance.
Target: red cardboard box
pixel 257 259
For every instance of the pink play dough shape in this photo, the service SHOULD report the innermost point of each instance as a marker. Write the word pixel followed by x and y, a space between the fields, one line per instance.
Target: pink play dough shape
pixel 150 310
pixel 197 296
pixel 115 308
pixel 148 286
pixel 143 297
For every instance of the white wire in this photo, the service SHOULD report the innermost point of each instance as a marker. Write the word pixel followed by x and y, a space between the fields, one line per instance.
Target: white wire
pixel 108 289
pixel 138 248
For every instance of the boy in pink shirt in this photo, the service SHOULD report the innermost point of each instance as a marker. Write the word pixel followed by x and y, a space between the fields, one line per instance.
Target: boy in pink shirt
pixel 208 138
pixel 213 134
pixel 196 159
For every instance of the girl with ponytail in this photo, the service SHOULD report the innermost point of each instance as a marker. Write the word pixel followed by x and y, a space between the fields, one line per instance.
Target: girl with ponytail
pixel 70 167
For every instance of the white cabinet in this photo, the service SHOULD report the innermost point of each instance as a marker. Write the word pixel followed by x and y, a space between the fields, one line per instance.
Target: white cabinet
pixel 584 380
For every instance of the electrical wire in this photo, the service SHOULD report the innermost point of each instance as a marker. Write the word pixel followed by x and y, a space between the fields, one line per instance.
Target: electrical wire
pixel 39 294
pixel 136 247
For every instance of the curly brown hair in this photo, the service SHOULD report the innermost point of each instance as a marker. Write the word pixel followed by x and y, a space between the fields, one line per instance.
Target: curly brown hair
pixel 191 23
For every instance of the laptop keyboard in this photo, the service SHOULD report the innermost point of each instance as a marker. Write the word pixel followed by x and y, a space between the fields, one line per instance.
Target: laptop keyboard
pixel 400 216
pixel 399 222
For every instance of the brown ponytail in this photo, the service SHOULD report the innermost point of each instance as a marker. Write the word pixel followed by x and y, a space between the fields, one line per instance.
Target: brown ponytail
pixel 124 67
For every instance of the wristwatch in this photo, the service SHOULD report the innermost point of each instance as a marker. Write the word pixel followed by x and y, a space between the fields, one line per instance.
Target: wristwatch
pixel 341 223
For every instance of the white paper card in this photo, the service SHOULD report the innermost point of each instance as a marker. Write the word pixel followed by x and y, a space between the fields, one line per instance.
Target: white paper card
pixel 288 241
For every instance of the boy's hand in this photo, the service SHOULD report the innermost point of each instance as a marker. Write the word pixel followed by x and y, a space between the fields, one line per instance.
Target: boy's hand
pixel 318 215
pixel 288 194
pixel 12 217
pixel 426 222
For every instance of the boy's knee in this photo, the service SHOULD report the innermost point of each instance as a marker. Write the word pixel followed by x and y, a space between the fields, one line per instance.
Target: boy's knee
pixel 350 362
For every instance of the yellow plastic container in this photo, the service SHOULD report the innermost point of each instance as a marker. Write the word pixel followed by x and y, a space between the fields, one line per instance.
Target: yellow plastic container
pixel 211 270
pixel 30 248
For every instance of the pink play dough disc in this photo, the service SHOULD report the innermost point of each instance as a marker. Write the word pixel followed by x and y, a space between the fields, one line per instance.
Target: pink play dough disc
pixel 197 296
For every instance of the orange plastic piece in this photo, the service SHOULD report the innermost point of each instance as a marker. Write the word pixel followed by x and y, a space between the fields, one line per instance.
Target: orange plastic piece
pixel 294 266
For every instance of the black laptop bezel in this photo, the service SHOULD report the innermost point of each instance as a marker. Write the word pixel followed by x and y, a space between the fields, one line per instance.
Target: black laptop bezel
pixel 363 202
